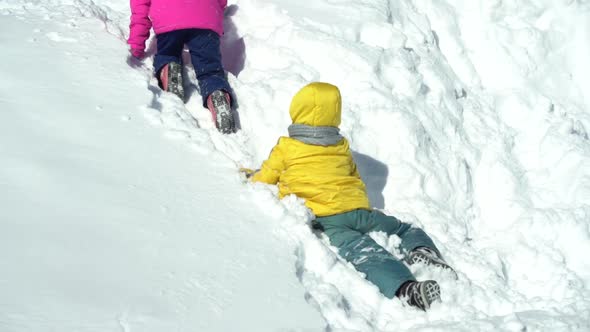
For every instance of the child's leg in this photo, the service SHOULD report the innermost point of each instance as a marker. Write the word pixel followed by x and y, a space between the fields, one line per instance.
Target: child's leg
pixel 206 58
pixel 416 244
pixel 378 265
pixel 170 45
pixel 412 237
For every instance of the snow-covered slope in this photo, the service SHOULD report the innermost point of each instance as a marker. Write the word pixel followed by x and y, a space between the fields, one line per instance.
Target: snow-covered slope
pixel 124 210
pixel 109 227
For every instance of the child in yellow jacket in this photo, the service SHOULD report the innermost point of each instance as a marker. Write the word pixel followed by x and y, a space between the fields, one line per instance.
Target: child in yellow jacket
pixel 316 164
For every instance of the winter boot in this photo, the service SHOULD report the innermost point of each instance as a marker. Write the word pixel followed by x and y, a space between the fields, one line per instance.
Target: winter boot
pixel 171 79
pixel 218 103
pixel 419 294
pixel 427 256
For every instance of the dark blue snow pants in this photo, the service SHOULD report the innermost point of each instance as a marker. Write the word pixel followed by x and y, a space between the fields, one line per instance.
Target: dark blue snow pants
pixel 349 233
pixel 203 46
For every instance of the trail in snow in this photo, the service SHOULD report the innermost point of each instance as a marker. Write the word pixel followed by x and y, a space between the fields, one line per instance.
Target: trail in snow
pixel 468 118
pixel 106 225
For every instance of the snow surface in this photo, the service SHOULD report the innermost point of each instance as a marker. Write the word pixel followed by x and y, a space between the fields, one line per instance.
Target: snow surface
pixel 123 209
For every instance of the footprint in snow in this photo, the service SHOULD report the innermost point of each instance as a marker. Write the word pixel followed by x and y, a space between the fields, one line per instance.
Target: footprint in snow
pixel 59 38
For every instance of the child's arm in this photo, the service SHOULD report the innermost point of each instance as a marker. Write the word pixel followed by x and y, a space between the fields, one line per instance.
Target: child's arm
pixel 271 169
pixel 139 27
pixel 355 171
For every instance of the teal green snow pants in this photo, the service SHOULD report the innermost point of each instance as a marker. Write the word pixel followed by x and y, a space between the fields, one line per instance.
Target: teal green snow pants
pixel 349 233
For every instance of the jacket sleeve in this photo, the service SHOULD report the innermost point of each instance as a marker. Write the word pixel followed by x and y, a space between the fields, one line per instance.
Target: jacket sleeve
pixel 355 171
pixel 140 25
pixel 272 168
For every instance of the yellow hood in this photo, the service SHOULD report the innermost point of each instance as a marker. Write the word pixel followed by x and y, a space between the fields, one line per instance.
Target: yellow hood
pixel 317 104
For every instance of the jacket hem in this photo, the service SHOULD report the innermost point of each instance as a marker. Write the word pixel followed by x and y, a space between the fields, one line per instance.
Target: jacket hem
pixel 165 29
pixel 343 211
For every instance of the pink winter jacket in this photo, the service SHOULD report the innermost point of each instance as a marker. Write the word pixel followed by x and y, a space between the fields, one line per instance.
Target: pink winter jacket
pixel 170 15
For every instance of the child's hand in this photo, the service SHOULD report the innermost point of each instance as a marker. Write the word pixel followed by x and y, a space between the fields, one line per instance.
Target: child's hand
pixel 134 57
pixel 137 53
pixel 247 172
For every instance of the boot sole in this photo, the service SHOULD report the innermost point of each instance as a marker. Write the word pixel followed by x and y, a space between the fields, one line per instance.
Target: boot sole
pixel 175 80
pixel 429 292
pixel 224 119
pixel 423 259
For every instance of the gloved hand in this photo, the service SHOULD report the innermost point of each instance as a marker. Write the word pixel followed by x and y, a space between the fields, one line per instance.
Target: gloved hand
pixel 247 172
pixel 137 53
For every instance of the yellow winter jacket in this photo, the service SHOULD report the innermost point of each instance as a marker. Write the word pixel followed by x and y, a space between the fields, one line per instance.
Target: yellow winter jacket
pixel 325 176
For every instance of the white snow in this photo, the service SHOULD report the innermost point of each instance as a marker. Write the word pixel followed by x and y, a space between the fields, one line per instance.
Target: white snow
pixel 123 209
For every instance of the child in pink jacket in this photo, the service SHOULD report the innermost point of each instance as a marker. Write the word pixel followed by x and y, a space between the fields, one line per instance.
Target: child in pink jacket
pixel 198 24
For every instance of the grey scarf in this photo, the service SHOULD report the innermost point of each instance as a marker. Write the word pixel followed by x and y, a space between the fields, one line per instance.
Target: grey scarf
pixel 323 135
